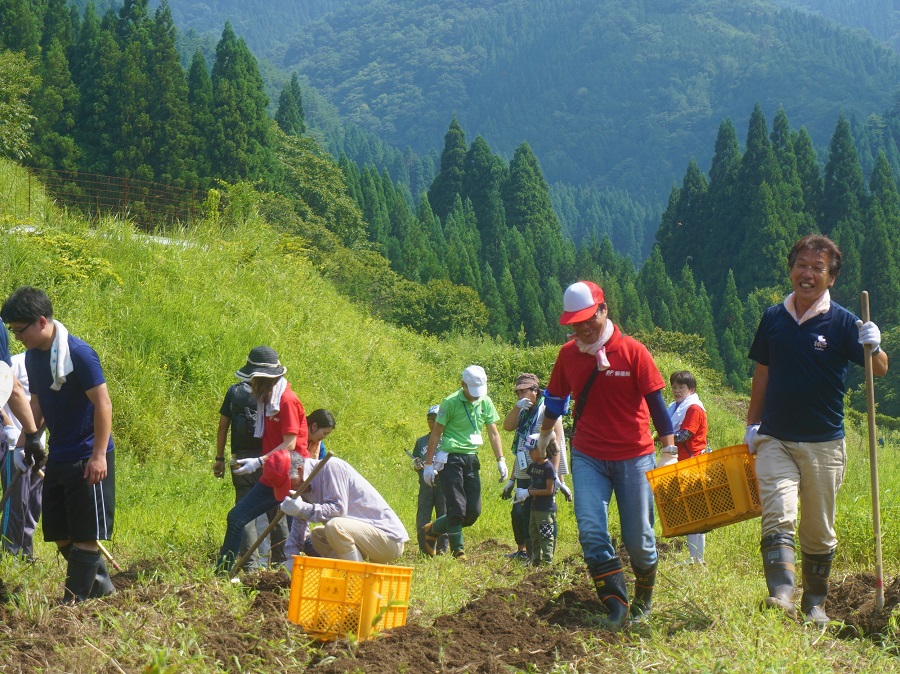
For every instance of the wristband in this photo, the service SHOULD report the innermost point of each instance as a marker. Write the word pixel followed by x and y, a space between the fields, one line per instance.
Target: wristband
pixel 876 350
pixel 670 449
pixel 220 458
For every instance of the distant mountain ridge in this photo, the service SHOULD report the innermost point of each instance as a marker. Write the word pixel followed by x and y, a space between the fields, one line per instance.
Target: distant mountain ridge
pixel 609 94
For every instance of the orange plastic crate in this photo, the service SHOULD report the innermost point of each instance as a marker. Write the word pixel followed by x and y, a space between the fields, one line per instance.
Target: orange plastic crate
pixel 331 598
pixel 707 491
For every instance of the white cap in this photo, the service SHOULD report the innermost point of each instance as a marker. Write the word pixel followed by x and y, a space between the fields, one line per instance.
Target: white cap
pixel 475 380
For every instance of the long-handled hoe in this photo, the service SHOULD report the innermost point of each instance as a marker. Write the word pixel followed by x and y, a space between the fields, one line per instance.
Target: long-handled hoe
pixel 873 459
pixel 243 560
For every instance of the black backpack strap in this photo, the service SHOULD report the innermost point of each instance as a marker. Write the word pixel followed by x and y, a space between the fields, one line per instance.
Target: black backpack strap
pixel 583 396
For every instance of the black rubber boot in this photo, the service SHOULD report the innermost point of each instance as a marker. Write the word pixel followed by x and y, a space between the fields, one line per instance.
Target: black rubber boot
pixel 644 581
pixel 103 585
pixel 816 570
pixel 609 581
pixel 81 574
pixel 778 565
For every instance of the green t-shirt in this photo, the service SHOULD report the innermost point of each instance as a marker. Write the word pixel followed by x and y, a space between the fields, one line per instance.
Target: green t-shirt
pixel 464 421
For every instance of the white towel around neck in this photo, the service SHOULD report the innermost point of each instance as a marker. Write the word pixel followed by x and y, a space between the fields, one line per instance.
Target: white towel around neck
pixel 264 410
pixel 60 359
pixel 677 412
pixel 598 348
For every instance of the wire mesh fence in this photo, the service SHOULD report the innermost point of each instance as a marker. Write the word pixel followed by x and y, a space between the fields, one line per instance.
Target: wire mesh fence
pixel 151 206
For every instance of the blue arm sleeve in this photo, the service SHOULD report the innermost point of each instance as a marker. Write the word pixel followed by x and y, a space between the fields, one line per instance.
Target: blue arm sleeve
pixel 555 407
pixel 658 412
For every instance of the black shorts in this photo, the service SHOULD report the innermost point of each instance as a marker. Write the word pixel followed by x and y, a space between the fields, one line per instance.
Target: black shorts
pixel 75 510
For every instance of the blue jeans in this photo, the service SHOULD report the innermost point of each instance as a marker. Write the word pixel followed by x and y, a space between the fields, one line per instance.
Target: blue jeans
pixel 260 500
pixel 595 482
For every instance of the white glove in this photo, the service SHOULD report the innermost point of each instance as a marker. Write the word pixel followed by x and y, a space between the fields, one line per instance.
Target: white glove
pixel 525 403
pixel 869 334
pixel 544 439
pixel 428 474
pixel 561 486
pixel 12 435
pixel 297 507
pixel 507 490
pixel 521 495
pixel 19 459
pixel 750 436
pixel 501 466
pixel 247 466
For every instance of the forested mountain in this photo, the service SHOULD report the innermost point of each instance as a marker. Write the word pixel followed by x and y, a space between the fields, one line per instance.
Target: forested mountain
pixel 612 93
pixel 881 18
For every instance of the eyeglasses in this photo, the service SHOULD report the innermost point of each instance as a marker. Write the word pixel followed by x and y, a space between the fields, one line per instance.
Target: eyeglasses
pixel 818 271
pixel 18 331
pixel 583 324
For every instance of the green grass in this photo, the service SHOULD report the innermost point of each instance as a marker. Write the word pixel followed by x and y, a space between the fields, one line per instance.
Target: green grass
pixel 172 322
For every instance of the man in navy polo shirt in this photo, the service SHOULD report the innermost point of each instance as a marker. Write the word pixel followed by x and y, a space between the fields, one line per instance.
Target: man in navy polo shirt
pixel 69 395
pixel 795 422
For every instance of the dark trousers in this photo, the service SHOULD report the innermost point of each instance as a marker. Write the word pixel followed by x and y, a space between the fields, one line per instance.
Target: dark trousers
pixel 23 508
pixel 431 499
pixel 521 517
pixel 260 500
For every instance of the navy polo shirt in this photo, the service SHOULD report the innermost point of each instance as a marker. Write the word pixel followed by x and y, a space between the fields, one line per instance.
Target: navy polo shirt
pixel 807 368
pixel 68 413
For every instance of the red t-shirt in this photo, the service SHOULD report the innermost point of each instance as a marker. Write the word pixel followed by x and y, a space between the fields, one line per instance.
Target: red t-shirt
pixel 615 423
pixel 291 418
pixel 695 422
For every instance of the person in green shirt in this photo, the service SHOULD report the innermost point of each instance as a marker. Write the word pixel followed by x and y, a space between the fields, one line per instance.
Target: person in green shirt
pixel 461 419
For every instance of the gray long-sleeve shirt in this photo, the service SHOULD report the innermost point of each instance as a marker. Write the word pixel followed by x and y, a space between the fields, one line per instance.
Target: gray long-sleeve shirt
pixel 338 490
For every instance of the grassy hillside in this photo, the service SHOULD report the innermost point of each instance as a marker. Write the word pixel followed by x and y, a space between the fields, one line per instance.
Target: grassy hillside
pixel 172 319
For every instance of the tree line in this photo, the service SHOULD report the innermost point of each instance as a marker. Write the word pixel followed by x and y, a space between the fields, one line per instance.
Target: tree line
pixel 111 97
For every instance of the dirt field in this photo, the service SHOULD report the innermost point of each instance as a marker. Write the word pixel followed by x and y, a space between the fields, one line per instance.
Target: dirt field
pixel 530 626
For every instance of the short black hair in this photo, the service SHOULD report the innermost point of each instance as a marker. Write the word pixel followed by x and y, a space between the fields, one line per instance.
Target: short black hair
pixel 685 378
pixel 26 305
pixel 321 418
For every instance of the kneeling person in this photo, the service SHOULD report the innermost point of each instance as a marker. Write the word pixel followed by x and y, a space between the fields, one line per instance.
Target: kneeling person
pixel 358 523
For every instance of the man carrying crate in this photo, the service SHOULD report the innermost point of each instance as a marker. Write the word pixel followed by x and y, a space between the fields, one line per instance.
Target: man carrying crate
pixel 795 422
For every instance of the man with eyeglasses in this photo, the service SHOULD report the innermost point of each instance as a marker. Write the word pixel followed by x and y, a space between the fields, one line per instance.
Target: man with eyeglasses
pixel 795 422
pixel 69 396
pixel 618 390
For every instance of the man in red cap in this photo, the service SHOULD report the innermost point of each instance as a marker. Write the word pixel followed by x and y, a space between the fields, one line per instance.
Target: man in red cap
pixel 618 389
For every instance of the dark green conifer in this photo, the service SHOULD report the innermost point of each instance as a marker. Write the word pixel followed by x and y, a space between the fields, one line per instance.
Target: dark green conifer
pixel 448 182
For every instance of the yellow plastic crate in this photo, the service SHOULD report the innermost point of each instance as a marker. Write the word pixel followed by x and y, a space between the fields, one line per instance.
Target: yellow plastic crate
pixel 707 491
pixel 331 598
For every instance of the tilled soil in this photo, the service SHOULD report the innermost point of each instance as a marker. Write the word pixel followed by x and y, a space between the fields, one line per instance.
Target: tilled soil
pixel 540 621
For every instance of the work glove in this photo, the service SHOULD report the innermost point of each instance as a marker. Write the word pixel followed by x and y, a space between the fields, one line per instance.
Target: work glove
pixel 247 466
pixel 507 490
pixel 561 486
pixel 428 473
pixel 544 438
pixel 19 459
pixel 525 404
pixel 219 469
pixel 750 437
pixel 34 451
pixel 12 435
pixel 869 334
pixel 501 466
pixel 297 507
pixel 521 495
